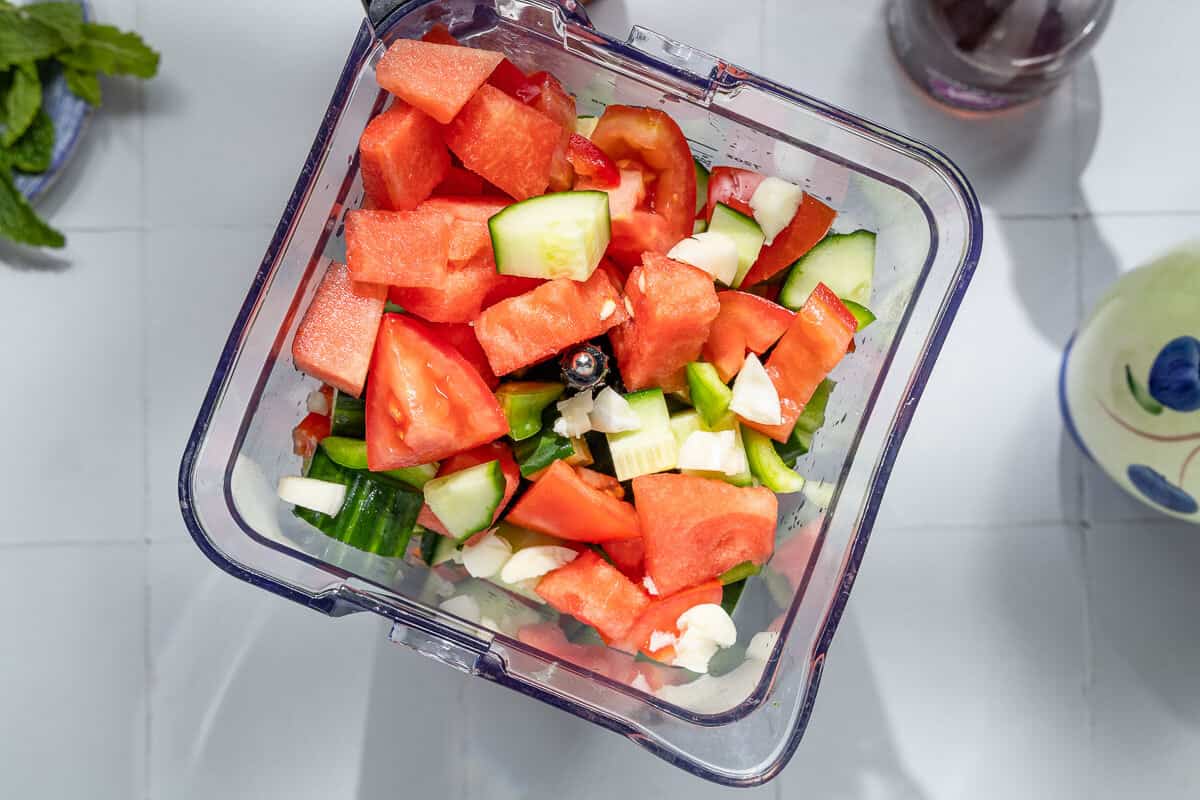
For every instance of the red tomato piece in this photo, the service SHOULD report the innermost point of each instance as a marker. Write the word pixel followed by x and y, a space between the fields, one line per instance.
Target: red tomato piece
pixel 398 248
pixel 696 528
pixel 812 346
pixel 337 335
pixel 590 161
pixel 402 158
pixel 639 233
pixel 652 138
pixel 593 591
pixel 462 337
pixel 662 614
pixel 562 504
pixel 812 221
pixel 627 555
pixel 494 451
pixel 531 327
pixel 746 322
pixel 309 433
pixel 732 186
pixel 439 79
pixel 674 305
pixel 425 402
pixel 598 480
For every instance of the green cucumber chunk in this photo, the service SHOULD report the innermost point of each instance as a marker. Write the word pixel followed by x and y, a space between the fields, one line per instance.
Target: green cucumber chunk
pixel 348 416
pixel 523 403
pixel 378 515
pixel 862 315
pixel 651 448
pixel 352 454
pixel 586 125
pixel 701 187
pixel 557 235
pixel 808 423
pixel 744 231
pixel 766 464
pixel 545 447
pixel 845 262
pixel 685 423
pixel 465 501
pixel 709 394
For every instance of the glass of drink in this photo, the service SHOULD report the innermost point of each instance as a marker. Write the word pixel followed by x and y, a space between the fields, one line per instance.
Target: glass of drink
pixel 987 55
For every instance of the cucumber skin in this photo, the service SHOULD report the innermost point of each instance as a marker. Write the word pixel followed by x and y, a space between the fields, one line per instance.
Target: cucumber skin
pixel 767 465
pixel 489 472
pixel 497 235
pixel 348 416
pixel 378 515
pixel 701 186
pixel 792 288
pixel 523 404
pixel 710 396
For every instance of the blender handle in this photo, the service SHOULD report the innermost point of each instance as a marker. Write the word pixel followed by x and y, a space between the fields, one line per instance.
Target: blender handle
pixel 379 10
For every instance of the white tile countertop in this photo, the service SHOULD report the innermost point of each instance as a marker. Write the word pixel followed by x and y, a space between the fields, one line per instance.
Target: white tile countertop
pixel 1019 628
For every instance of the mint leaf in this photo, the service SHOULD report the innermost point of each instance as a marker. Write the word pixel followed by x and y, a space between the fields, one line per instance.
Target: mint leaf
pixel 34 151
pixel 84 85
pixel 65 19
pixel 19 222
pixel 25 39
pixel 111 51
pixel 21 102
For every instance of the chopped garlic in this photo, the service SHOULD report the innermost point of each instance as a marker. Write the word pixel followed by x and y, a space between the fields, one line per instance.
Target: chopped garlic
pixel 611 413
pixel 486 557
pixel 775 202
pixel 323 496
pixel 704 629
pixel 534 562
pixel 574 420
pixel 661 639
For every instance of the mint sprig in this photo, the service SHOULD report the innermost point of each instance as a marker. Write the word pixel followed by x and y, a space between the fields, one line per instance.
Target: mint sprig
pixel 35 41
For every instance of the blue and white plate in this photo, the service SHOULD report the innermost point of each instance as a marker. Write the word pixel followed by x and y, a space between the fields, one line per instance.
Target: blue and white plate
pixel 70 116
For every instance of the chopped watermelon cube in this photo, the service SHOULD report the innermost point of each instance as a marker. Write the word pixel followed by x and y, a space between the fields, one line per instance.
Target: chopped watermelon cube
pixel 402 158
pixel 505 141
pixel 661 615
pixel 593 591
pixel 817 339
pixel 674 305
pixel 531 327
pixel 812 221
pixel 460 299
pixel 562 504
pixel 439 79
pixel 398 248
pixel 696 528
pixel 746 322
pixel 627 555
pixel 336 336
pixel 471 209
pixel 458 182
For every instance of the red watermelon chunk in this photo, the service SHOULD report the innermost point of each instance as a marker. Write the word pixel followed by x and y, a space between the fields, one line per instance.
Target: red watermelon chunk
pixel 627 555
pixel 812 221
pixel 458 182
pixel 439 79
pixel 336 336
pixel 460 299
pixel 696 528
pixel 817 339
pixel 471 209
pixel 662 614
pixel 593 591
pixel 746 322
pixel 505 141
pixel 548 96
pixel 526 329
pixel 674 305
pixel 402 158
pixel 398 248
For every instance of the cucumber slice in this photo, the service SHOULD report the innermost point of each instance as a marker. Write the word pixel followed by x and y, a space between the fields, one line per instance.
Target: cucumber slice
pixel 352 454
pixel 740 572
pixel 709 393
pixel 535 454
pixel 557 235
pixel 378 514
pixel 348 416
pixel 586 125
pixel 523 403
pixel 767 466
pixel 685 423
pixel 699 226
pixel 843 262
pixel 701 186
pixel 466 501
pixel 862 315
pixel 810 420
pixel 745 234
pixel 651 448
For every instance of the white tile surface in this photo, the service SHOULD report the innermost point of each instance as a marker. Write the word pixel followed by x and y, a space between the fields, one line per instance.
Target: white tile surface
pixel 72 663
pixel 1019 163
pixel 251 696
pixel 1143 153
pixel 72 403
pixel 996 381
pixel 234 110
pixel 196 279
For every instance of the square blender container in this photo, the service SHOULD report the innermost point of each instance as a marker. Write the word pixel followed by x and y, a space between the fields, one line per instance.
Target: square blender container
pixel 739 725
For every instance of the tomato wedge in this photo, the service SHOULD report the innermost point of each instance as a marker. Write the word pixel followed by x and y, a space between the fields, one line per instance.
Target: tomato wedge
pixel 812 221
pixel 813 345
pixel 605 483
pixel 562 504
pixel 732 186
pixel 652 138
pixel 425 402
pixel 662 614
pixel 745 322
pixel 639 233
pixel 591 162
pixel 494 451
pixel 462 337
